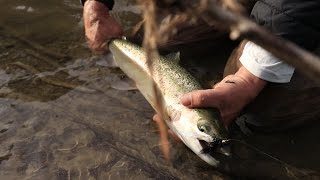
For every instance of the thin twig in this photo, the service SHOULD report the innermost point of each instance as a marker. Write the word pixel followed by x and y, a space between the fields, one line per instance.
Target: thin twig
pixel 42 58
pixel 241 27
pixel 50 53
pixel 150 44
pixel 70 149
pixel 54 82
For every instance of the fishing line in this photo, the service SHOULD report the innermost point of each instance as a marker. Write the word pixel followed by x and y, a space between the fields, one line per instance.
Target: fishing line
pixel 226 141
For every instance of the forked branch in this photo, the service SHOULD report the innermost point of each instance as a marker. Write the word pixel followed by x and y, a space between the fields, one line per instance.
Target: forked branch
pixel 241 27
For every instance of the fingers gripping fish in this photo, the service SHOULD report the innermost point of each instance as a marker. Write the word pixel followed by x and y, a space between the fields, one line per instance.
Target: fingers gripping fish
pixel 199 129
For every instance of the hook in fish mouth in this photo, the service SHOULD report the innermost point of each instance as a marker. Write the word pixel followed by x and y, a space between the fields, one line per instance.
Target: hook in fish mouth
pixel 211 147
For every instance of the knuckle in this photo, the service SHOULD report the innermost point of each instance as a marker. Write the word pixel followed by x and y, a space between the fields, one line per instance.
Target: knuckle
pixel 199 98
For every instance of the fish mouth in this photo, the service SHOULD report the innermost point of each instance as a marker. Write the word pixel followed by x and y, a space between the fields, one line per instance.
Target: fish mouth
pixel 212 152
pixel 209 147
pixel 216 146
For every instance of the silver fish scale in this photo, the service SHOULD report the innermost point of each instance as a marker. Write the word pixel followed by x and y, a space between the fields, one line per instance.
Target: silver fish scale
pixel 171 81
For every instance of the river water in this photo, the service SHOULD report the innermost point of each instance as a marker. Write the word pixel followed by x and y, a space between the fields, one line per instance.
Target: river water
pixel 62 118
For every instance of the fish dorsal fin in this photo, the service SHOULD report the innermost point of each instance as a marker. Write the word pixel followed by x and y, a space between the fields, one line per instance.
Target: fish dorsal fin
pixel 175 57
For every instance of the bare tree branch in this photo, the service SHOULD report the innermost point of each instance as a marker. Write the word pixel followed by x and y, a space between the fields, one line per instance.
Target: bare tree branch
pixel 242 27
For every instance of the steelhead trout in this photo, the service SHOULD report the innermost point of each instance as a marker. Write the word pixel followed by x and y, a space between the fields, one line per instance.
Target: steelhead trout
pixel 199 129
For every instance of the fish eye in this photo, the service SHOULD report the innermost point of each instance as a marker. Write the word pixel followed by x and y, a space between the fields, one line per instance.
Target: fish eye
pixel 204 128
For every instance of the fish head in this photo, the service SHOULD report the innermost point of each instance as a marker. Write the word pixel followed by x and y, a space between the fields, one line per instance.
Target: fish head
pixel 203 133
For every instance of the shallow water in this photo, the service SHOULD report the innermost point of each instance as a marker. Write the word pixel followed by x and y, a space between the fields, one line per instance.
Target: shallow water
pixel 60 118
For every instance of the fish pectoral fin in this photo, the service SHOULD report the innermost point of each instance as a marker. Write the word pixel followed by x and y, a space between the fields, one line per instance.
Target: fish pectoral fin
pixel 123 84
pixel 107 60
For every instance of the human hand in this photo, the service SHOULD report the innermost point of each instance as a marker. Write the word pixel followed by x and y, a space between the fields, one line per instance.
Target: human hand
pixel 99 25
pixel 230 95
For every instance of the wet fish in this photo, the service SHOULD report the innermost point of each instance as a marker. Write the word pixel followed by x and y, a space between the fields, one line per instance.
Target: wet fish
pixel 199 129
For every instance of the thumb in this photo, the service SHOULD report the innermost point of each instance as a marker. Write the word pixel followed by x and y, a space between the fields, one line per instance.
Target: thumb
pixel 200 98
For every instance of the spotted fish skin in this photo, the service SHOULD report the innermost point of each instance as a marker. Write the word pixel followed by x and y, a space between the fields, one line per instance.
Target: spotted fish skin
pixel 169 81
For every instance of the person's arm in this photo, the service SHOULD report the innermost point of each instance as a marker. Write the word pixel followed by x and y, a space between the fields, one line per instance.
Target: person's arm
pixel 236 91
pixel 99 25
pixel 264 65
pixel 293 20
pixel 230 95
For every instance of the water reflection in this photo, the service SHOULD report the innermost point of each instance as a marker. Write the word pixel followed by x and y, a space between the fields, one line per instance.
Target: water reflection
pixel 60 118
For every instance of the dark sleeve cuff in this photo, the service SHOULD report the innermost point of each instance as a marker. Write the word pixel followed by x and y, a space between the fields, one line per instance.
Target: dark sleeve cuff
pixel 295 20
pixel 108 3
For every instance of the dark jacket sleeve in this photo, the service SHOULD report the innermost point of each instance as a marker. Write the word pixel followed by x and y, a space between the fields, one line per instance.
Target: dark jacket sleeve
pixel 294 20
pixel 108 3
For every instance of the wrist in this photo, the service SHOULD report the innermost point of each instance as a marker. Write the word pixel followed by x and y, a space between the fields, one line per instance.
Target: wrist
pixel 107 3
pixel 254 83
pixel 94 11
